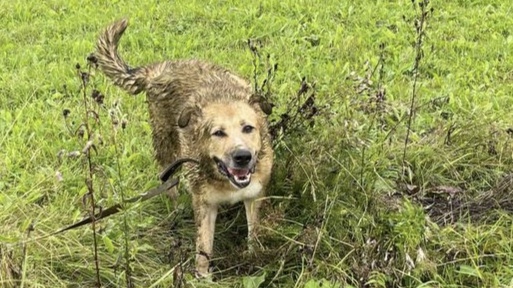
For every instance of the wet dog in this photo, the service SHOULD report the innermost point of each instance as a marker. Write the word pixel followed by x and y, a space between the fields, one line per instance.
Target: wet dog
pixel 202 111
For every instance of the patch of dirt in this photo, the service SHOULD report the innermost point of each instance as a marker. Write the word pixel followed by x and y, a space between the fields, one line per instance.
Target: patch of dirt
pixel 447 205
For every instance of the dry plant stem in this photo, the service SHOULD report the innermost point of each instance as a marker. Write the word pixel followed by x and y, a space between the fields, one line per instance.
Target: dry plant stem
pixel 24 260
pixel 320 234
pixel 256 57
pixel 380 65
pixel 89 173
pixel 419 29
pixel 128 269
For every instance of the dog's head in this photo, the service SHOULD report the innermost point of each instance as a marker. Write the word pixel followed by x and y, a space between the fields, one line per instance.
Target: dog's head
pixel 229 137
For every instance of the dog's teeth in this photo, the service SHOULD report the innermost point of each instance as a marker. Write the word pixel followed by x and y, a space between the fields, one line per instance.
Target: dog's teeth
pixel 242 179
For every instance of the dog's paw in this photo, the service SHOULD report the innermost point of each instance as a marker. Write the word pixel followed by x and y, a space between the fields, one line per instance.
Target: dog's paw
pixel 254 244
pixel 253 247
pixel 203 276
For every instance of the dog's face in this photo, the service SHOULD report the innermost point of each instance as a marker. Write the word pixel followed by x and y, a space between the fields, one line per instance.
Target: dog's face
pixel 232 139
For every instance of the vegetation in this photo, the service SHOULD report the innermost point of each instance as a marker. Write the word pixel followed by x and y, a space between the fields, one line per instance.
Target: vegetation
pixel 397 172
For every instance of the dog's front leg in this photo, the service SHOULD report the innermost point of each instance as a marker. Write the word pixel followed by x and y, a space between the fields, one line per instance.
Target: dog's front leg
pixel 252 207
pixel 205 217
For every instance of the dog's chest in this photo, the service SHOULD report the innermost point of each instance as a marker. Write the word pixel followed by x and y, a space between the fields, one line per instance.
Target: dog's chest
pixel 219 196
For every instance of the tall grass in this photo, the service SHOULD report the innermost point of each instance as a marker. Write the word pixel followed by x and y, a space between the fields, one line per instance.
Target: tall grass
pixel 392 138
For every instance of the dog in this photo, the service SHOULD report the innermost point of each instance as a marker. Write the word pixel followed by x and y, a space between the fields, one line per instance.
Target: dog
pixel 202 111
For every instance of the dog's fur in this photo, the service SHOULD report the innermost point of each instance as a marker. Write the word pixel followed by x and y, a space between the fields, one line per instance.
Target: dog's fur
pixel 201 111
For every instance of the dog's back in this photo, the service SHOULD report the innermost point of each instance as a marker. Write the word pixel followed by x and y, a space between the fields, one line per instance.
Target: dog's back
pixel 170 86
pixel 180 77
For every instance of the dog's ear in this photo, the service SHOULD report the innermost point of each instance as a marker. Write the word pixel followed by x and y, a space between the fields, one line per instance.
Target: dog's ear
pixel 186 115
pixel 265 106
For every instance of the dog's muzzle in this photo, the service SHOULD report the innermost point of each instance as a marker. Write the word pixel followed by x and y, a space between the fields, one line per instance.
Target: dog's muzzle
pixel 240 168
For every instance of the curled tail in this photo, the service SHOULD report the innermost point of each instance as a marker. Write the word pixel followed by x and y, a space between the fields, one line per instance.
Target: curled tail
pixel 109 61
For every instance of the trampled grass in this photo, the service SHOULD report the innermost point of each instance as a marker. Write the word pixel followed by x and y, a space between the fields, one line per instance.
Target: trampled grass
pixel 344 208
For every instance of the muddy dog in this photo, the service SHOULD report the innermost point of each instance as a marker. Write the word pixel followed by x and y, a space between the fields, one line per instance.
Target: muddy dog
pixel 202 111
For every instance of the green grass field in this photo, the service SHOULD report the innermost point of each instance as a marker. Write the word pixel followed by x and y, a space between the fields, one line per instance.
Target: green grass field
pixel 349 205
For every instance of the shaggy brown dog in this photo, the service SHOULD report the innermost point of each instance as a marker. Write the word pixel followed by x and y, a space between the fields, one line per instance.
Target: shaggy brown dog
pixel 202 111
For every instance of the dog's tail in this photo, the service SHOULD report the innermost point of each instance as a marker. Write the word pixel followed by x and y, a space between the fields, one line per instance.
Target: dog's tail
pixel 134 80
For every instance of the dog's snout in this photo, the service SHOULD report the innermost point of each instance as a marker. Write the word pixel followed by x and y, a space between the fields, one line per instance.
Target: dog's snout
pixel 241 157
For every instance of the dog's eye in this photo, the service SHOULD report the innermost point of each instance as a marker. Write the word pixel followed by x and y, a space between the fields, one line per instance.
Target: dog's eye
pixel 219 133
pixel 248 129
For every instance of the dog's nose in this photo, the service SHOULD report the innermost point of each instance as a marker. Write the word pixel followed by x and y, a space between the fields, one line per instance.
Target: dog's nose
pixel 241 157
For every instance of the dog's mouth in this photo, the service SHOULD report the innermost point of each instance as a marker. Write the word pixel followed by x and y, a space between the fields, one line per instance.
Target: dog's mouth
pixel 239 177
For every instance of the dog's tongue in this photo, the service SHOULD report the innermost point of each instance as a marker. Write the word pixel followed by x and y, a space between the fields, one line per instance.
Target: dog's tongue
pixel 238 172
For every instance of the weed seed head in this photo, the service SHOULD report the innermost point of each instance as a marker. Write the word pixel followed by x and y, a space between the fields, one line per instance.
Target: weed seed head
pixel 81 132
pixel 92 59
pixel 97 96
pixel 84 76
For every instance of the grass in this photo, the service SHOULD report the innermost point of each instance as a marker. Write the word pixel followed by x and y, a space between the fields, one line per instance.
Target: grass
pixel 344 208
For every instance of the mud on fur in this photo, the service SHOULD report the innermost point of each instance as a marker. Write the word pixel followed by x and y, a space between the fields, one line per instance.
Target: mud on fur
pixel 202 111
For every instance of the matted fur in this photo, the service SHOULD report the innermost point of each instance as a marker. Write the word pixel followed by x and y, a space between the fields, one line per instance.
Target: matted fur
pixel 202 111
